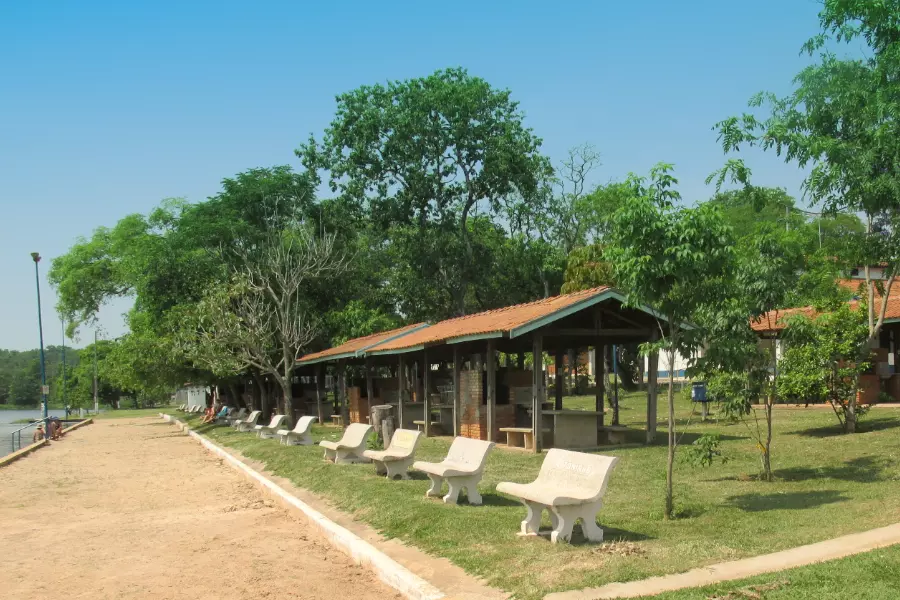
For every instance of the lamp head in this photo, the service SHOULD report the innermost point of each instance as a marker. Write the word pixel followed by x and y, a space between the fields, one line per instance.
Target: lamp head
pixel 36 257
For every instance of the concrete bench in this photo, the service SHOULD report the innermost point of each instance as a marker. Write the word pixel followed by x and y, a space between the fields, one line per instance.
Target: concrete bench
pixel 299 435
pixel 462 468
pixel 349 449
pixel 520 437
pixel 249 423
pixel 570 486
pixel 268 431
pixel 420 425
pixel 240 414
pixel 615 434
pixel 182 407
pixel 337 420
pixel 398 456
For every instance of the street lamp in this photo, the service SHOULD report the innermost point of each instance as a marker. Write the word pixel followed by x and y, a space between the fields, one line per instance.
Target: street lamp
pixel 37 280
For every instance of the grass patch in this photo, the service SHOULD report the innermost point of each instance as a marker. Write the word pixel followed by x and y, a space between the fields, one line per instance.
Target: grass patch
pixel 873 575
pixel 827 486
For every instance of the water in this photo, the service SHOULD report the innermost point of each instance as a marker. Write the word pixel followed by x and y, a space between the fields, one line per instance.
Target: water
pixel 7 426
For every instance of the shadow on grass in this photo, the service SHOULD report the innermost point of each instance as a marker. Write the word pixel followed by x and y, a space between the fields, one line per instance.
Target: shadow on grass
pixel 863 469
pixel 788 501
pixel 864 426
pixel 489 499
pixel 610 534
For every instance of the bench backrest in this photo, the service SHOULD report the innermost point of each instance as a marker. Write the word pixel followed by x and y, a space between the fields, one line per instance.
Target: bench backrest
pixel 405 440
pixel 467 451
pixel 567 469
pixel 241 413
pixel 276 421
pixel 254 417
pixel 355 434
pixel 303 424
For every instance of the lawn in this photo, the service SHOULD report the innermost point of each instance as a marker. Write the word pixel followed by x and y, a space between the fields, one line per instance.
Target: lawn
pixel 870 576
pixel 828 485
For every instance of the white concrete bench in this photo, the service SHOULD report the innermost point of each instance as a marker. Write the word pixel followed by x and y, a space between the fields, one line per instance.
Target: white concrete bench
pixel 236 416
pixel 349 449
pixel 182 407
pixel 398 456
pixel 299 435
pixel 337 420
pixel 615 434
pixel 249 423
pixel 462 468
pixel 571 486
pixel 266 432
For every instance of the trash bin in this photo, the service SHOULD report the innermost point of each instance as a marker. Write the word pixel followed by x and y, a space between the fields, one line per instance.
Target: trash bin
pixel 698 391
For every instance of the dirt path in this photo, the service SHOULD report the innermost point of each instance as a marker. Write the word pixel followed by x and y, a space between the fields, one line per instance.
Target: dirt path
pixel 133 509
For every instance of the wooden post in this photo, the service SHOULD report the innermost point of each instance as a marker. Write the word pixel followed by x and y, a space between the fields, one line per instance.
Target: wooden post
pixel 342 390
pixel 572 371
pixel 520 361
pixel 560 378
pixel 426 401
pixel 320 392
pixel 457 367
pixel 491 390
pixel 401 391
pixel 600 380
pixel 537 387
pixel 370 387
pixel 652 368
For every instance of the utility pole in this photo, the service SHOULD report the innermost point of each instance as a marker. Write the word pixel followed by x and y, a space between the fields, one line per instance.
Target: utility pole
pixel 37 280
pixel 96 388
pixel 65 403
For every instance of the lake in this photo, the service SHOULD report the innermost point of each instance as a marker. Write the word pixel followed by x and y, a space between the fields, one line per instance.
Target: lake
pixel 7 427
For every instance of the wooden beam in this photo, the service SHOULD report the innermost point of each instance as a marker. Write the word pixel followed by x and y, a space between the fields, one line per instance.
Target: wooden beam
pixel 560 378
pixel 370 388
pixel 593 333
pixel 491 389
pixel 342 391
pixel 457 367
pixel 537 387
pixel 426 401
pixel 401 390
pixel 320 392
pixel 600 381
pixel 618 316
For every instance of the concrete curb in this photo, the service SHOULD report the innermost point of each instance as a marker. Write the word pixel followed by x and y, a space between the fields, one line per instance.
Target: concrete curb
pixel 11 458
pixel 388 570
pixel 78 425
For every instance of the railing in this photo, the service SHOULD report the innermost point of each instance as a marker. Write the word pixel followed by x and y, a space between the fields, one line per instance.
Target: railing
pixel 17 434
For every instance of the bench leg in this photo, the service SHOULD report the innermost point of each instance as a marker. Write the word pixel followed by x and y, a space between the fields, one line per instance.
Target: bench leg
pixel 592 531
pixel 528 441
pixel 532 523
pixel 380 468
pixel 457 484
pixel 436 484
pixel 349 456
pixel 330 454
pixel 398 468
pixel 305 440
pixel 565 517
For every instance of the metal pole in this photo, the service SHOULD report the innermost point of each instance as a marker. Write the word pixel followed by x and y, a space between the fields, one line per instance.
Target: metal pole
pixel 37 280
pixel 96 388
pixel 65 403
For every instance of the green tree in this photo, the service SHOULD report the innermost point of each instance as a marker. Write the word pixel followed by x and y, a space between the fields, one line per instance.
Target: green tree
pixel 669 258
pixel 840 123
pixel 421 156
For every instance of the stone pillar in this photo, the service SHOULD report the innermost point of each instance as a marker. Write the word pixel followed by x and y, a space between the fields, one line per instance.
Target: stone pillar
pixel 491 390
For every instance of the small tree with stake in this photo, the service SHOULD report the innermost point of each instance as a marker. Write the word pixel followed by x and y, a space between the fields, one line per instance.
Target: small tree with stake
pixel 668 258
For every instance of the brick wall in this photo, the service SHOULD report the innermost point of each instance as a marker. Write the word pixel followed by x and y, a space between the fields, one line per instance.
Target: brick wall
pixel 473 420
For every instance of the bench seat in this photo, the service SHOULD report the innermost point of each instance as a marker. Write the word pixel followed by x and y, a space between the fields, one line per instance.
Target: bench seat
pixel 396 459
pixel 463 469
pixel 351 446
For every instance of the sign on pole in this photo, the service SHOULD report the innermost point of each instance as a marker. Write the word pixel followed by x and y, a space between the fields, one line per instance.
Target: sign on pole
pixel 45 390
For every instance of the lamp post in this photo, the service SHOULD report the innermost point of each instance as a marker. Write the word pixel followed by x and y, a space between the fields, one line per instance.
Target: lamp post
pixel 37 280
pixel 65 402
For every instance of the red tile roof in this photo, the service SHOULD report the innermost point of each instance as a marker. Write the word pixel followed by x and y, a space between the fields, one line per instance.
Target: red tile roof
pixel 771 322
pixel 351 347
pixel 492 321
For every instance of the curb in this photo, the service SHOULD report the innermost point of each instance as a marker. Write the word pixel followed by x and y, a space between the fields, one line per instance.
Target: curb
pixel 78 425
pixel 388 570
pixel 11 458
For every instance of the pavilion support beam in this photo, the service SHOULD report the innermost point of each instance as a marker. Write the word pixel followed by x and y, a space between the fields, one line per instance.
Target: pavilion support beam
pixel 457 367
pixel 370 388
pixel 401 390
pixel 572 371
pixel 652 397
pixel 600 380
pixel 491 364
pixel 560 378
pixel 537 387
pixel 342 392
pixel 520 361
pixel 426 401
pixel 320 392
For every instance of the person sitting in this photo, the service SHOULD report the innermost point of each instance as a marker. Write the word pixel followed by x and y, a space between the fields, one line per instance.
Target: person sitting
pixel 55 428
pixel 210 415
pixel 38 434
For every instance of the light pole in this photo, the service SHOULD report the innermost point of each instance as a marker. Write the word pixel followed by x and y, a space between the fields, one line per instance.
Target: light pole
pixel 65 403
pixel 96 388
pixel 37 280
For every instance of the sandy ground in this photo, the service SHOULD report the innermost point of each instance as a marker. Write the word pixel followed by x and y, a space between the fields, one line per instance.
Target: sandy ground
pixel 133 509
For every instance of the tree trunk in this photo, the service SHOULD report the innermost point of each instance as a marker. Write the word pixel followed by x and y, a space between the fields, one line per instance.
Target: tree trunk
pixel 263 396
pixel 288 399
pixel 767 449
pixel 670 461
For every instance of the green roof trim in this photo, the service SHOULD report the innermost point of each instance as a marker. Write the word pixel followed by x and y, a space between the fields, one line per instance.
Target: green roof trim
pixel 362 351
pixel 474 336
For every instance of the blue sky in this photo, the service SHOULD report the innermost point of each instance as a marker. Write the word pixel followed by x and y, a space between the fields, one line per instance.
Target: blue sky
pixel 109 107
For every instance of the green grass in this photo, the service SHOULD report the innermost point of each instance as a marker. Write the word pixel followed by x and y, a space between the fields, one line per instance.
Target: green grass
pixel 870 576
pixel 828 485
